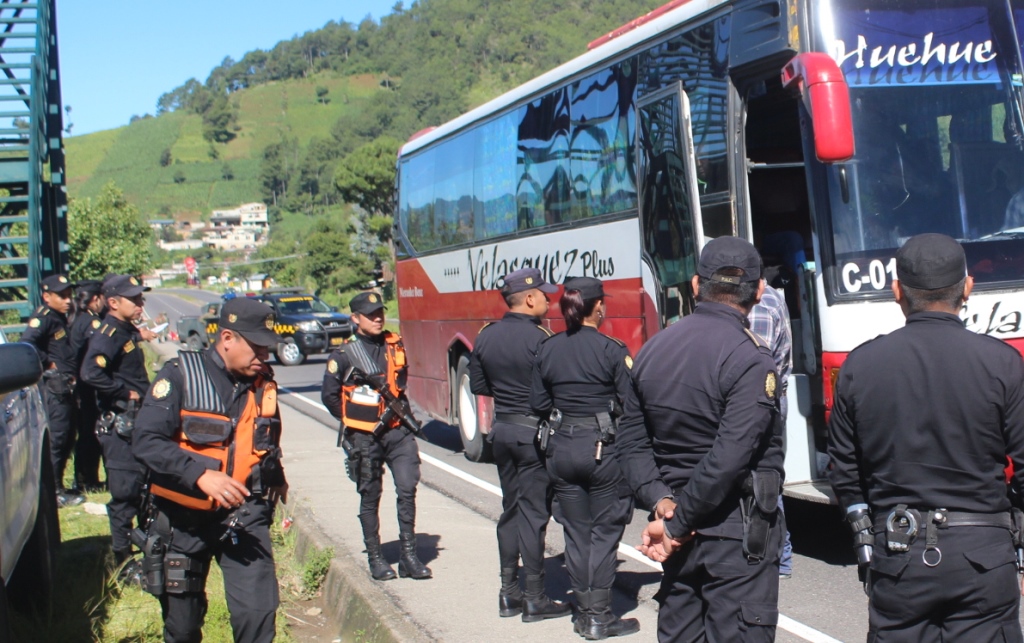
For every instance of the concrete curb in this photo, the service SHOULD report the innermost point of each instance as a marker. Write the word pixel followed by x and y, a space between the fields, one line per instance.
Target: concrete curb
pixel 356 606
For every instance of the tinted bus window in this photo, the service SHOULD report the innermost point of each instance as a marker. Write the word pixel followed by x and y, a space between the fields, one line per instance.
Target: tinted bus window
pixel 542 192
pixel 601 148
pixel 494 181
pixel 453 190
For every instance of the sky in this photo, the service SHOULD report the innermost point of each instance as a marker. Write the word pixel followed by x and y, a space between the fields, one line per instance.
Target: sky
pixel 118 56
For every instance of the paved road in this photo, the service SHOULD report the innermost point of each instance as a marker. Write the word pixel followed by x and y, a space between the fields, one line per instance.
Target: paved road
pixel 821 602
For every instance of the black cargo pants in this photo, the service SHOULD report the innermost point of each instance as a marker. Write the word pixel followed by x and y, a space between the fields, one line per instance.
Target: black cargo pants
pixel 124 481
pixel 397 449
pixel 526 497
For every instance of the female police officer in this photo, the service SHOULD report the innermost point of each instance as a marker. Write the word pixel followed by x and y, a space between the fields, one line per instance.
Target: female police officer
pixel 582 377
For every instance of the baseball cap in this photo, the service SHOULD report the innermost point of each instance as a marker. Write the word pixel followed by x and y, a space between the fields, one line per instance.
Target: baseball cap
pixel 92 286
pixel 729 252
pixel 930 261
pixel 123 286
pixel 365 303
pixel 56 283
pixel 588 287
pixel 525 279
pixel 251 319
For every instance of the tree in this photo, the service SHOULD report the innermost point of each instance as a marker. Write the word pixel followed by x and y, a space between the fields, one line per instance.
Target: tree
pixel 321 95
pixel 329 262
pixel 165 157
pixel 179 177
pixel 366 177
pixel 227 173
pixel 107 235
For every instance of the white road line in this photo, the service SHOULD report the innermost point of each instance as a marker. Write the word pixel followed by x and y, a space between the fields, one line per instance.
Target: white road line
pixel 793 627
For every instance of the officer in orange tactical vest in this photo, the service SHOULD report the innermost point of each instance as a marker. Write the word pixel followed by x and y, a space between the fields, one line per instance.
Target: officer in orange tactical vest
pixel 360 376
pixel 209 433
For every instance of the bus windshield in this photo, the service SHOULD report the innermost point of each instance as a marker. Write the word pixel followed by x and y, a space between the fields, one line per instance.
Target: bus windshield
pixel 935 90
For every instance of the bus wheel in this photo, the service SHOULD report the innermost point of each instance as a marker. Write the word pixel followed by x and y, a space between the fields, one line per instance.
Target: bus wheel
pixel 474 443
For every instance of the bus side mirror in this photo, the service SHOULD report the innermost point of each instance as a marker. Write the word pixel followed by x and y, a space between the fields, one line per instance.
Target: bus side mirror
pixel 826 96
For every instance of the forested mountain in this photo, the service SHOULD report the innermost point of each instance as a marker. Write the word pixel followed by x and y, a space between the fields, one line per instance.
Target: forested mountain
pixel 276 124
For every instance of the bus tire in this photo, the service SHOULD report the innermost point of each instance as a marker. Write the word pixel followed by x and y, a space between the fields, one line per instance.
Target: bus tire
pixel 194 342
pixel 35 574
pixel 475 445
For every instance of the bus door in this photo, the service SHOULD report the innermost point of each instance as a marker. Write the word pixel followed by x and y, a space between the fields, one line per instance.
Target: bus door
pixel 670 220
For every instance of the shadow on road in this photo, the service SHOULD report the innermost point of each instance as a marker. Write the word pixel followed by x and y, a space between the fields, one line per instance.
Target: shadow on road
pixel 818 531
pixel 427 548
pixel 443 435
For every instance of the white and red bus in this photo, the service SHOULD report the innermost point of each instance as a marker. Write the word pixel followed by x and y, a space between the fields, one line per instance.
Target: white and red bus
pixel 824 131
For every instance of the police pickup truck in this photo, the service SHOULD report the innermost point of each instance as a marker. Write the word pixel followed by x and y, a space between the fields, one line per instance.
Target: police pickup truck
pixel 29 529
pixel 307 324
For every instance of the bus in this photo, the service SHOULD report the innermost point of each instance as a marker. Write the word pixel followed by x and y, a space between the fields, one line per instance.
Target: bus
pixel 826 132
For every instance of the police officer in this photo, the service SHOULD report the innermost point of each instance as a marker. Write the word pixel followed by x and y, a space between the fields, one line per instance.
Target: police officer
pixel 88 306
pixel 501 366
pixel 209 434
pixel 369 447
pixel 923 421
pixel 48 331
pixel 115 367
pixel 702 447
pixel 582 376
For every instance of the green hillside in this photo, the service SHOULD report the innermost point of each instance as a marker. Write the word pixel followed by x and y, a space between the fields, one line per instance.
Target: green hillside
pixel 130 155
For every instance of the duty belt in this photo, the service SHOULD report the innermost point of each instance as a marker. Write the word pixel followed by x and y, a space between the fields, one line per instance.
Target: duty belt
pixel 902 524
pixel 519 419
pixel 580 421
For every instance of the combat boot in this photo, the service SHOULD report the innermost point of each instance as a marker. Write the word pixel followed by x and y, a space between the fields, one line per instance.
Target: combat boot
pixel 537 605
pixel 409 565
pixel 510 598
pixel 379 568
pixel 602 622
pixel 581 619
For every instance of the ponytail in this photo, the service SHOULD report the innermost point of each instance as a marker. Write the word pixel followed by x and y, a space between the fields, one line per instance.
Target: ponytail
pixel 575 309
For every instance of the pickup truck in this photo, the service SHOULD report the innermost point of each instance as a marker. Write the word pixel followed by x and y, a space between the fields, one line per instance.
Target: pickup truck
pixel 195 331
pixel 29 528
pixel 308 325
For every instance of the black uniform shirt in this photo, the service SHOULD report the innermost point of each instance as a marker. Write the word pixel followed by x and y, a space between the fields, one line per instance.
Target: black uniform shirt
pixel 153 442
pixel 579 373
pixel 84 326
pixel 925 416
pixel 501 365
pixel 338 363
pixel 114 363
pixel 699 417
pixel 48 331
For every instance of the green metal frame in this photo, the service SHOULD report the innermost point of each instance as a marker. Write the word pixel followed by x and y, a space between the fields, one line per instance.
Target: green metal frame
pixel 33 198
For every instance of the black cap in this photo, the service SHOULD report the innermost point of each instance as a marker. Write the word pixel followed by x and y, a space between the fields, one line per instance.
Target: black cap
pixel 91 286
pixel 365 303
pixel 930 261
pixel 525 279
pixel 729 252
pixel 589 287
pixel 252 319
pixel 123 286
pixel 56 283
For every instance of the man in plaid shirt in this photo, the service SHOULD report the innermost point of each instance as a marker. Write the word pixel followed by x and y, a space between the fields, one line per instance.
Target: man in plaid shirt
pixel 770 320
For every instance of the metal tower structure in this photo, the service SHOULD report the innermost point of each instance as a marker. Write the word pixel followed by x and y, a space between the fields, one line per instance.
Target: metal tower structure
pixel 33 198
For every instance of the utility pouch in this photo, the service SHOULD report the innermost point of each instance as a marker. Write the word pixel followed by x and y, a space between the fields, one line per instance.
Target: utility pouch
pixel 58 384
pixel 183 574
pixel 607 427
pixel 271 472
pixel 124 424
pixel 353 457
pixel 264 437
pixel 759 507
pixel 200 429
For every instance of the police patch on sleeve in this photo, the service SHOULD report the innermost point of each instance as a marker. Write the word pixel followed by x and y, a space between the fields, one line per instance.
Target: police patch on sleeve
pixel 769 385
pixel 332 366
pixel 101 361
pixel 34 322
pixel 629 362
pixel 95 323
pixel 161 389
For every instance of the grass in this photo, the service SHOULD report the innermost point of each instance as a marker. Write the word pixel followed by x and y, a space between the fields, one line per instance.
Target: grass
pixel 91 606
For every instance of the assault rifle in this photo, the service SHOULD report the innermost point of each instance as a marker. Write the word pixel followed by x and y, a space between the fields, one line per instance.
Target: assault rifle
pixel 394 408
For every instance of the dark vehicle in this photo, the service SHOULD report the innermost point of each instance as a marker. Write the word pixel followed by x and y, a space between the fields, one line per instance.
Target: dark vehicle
pixel 195 332
pixel 29 529
pixel 308 325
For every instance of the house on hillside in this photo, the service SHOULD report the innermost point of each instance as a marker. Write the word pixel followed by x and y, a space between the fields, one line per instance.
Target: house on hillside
pixel 246 226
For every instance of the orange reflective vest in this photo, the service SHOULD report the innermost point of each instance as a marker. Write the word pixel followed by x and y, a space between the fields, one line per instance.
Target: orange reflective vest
pixel 211 436
pixel 361 406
